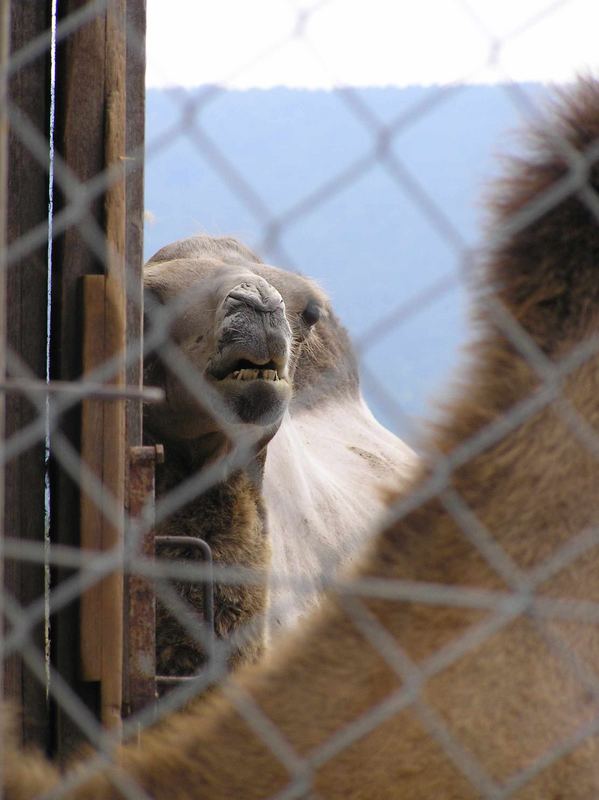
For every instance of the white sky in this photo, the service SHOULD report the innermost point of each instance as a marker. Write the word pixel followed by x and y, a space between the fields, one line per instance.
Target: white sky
pixel 258 43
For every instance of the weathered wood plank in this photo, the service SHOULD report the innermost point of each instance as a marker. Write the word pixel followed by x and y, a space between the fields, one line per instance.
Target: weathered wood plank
pixel 136 110
pixel 26 334
pixel 114 347
pixel 4 53
pixel 102 448
pixel 135 96
pixel 80 139
pixel 92 453
pixel 97 64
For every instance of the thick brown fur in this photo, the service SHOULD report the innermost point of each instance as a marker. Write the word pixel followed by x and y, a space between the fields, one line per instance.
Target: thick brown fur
pixel 531 682
pixel 231 518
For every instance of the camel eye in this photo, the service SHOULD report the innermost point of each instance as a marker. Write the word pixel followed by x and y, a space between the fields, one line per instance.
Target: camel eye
pixel 311 313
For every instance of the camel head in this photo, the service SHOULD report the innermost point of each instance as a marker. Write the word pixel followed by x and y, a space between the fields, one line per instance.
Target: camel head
pixel 241 325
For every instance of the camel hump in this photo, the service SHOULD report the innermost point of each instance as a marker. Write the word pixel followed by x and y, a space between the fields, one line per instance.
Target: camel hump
pixel 544 239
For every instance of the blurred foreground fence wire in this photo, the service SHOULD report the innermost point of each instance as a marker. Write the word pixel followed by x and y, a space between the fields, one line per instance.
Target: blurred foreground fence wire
pixel 79 479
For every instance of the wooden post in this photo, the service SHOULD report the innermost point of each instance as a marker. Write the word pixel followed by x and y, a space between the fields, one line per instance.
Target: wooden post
pixel 102 450
pixel 92 453
pixel 135 98
pixel 26 315
pixel 80 141
pixel 136 108
pixel 103 444
pixel 93 132
pixel 4 51
pixel 114 346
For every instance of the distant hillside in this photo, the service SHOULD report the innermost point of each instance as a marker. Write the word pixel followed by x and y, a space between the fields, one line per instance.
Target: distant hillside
pixel 255 156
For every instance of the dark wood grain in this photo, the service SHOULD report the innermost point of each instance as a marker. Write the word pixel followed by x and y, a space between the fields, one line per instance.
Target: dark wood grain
pixel 26 334
pixel 80 125
pixel 97 70
pixel 135 133
pixel 135 137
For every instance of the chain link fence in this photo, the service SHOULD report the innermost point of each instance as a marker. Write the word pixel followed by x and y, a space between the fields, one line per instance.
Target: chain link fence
pixel 83 583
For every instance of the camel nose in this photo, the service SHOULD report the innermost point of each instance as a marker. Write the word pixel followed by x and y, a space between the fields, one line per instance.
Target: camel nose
pixel 259 295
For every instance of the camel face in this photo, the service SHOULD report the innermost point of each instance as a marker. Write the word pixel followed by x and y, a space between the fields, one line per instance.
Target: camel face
pixel 249 362
pixel 240 324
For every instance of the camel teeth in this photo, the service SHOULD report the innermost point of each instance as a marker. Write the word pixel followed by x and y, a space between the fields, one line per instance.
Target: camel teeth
pixel 248 374
pixel 253 374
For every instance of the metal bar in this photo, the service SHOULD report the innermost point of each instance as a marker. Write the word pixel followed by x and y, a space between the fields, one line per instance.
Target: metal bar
pixel 207 595
pixel 147 394
pixel 208 583
pixel 174 680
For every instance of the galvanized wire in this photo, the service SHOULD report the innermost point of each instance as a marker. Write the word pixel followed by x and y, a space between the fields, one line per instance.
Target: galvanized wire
pixel 502 606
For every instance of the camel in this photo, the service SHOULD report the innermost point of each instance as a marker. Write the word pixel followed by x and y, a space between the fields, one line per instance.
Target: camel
pixel 300 502
pixel 460 661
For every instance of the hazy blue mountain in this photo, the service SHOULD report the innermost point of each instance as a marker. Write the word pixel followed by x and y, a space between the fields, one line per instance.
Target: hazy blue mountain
pixel 315 181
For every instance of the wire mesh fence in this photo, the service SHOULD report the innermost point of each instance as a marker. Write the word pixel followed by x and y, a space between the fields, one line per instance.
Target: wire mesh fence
pixel 146 562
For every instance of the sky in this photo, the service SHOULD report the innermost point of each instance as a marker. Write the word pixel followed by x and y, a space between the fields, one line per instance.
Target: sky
pixel 318 44
pixel 327 43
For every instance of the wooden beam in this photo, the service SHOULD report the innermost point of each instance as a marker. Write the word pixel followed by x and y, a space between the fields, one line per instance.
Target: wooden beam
pixel 4 54
pixel 100 101
pixel 135 98
pixel 26 288
pixel 114 347
pixel 80 103
pixel 92 453
pixel 91 99
pixel 102 450
pixel 103 444
pixel 136 110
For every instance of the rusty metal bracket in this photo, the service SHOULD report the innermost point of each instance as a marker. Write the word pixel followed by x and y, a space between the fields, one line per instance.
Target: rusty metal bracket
pixel 141 681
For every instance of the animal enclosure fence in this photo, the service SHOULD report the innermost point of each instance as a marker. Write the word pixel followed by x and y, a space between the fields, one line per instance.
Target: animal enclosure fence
pixel 80 577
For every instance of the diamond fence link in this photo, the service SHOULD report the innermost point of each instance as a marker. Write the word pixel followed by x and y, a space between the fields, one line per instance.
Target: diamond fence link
pixel 51 402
